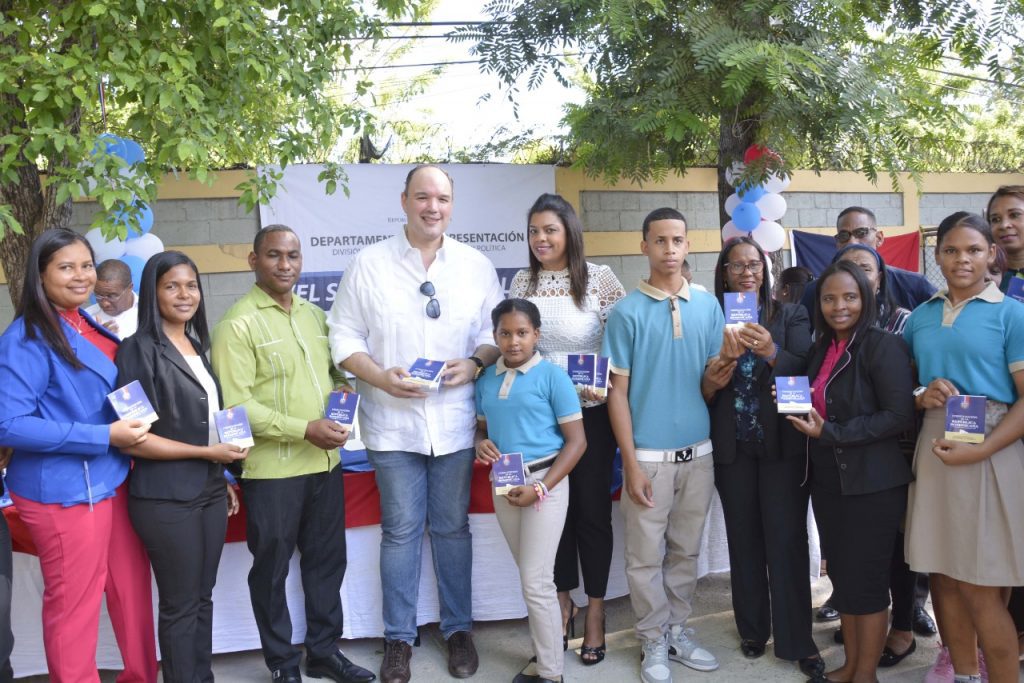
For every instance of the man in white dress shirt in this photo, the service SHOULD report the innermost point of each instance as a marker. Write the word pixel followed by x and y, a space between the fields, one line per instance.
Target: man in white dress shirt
pixel 420 294
pixel 116 307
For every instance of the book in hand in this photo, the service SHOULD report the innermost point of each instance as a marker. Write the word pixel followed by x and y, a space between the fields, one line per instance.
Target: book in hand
pixel 341 407
pixel 601 377
pixel 581 368
pixel 740 308
pixel 131 403
pixel 426 373
pixel 507 472
pixel 1016 287
pixel 965 419
pixel 233 427
pixel 793 395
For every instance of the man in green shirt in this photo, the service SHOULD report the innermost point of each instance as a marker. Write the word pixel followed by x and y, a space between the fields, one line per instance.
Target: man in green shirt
pixel 271 355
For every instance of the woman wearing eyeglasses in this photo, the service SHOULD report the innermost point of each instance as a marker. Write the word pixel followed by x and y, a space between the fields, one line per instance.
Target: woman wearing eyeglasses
pixel 760 466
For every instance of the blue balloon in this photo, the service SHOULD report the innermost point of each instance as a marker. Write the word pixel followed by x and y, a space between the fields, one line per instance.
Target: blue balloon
pixel 746 216
pixel 145 217
pixel 750 193
pixel 133 152
pixel 135 264
pixel 111 144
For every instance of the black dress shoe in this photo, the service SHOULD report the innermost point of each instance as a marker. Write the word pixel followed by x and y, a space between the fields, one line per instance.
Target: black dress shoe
pixel 462 658
pixel 286 675
pixel 813 667
pixel 751 649
pixel 923 623
pixel 827 612
pixel 890 658
pixel 337 667
pixel 838 636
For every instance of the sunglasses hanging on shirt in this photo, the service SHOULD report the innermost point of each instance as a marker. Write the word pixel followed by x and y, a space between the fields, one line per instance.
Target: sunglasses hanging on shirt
pixel 433 306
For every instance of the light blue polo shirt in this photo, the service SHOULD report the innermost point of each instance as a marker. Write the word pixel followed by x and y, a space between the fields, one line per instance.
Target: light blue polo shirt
pixel 524 407
pixel 662 342
pixel 975 345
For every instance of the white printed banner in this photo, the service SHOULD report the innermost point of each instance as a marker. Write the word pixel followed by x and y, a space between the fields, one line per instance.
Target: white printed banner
pixel 489 213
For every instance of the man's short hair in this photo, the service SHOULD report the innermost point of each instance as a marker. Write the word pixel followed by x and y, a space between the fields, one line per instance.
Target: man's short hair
pixel 417 169
pixel 663 214
pixel 266 230
pixel 113 270
pixel 856 209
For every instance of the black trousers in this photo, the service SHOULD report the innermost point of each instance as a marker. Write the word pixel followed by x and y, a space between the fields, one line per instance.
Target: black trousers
pixel 184 540
pixel 588 522
pixel 6 576
pixel 765 510
pixel 909 589
pixel 307 512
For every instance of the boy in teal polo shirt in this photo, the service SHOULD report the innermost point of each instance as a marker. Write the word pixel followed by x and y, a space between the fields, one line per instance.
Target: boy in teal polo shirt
pixel 663 341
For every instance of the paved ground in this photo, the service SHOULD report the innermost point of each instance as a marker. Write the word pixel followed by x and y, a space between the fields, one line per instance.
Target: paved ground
pixel 504 647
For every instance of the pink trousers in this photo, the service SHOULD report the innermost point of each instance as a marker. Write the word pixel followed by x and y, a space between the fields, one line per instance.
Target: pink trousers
pixel 84 553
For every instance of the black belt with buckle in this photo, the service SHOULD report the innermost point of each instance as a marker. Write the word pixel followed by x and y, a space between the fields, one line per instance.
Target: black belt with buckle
pixel 539 465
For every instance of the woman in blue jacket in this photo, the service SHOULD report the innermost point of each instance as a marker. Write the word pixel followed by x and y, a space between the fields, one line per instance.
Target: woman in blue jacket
pixel 66 476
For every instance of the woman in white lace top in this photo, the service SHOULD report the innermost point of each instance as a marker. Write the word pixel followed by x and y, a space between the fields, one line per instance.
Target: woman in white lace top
pixel 574 298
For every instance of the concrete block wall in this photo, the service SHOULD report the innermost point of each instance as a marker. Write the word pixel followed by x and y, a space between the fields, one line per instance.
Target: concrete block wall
pixel 935 206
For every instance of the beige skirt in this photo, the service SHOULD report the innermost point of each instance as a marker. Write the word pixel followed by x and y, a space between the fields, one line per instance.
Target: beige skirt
pixel 966 521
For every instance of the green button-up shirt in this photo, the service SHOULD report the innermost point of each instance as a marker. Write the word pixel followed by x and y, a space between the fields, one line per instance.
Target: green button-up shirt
pixel 278 365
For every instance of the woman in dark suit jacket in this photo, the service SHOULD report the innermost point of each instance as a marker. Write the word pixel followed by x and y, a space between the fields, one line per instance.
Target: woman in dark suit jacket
pixel 759 467
pixel 178 503
pixel 863 401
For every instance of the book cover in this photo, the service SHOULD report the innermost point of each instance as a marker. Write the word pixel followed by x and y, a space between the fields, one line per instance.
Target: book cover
pixel 1016 287
pixel 793 395
pixel 233 427
pixel 740 307
pixel 426 373
pixel 581 368
pixel 131 403
pixel 965 419
pixel 508 472
pixel 601 376
pixel 341 407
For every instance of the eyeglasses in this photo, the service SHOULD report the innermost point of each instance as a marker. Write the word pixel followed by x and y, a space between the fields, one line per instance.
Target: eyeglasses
pixel 433 306
pixel 737 268
pixel 843 236
pixel 110 297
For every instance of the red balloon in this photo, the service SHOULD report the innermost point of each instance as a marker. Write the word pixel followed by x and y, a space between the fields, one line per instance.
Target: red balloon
pixel 755 152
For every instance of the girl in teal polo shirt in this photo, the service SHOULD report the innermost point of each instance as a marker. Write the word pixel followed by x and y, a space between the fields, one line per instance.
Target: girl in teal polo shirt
pixel 965 524
pixel 525 404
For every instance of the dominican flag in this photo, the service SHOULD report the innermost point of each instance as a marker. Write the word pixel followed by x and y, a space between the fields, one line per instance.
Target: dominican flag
pixel 815 252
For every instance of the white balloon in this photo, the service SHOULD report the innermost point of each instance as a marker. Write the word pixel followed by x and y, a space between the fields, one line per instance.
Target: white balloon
pixel 103 249
pixel 773 206
pixel 776 182
pixel 770 235
pixel 145 246
pixel 734 171
pixel 731 202
pixel 729 231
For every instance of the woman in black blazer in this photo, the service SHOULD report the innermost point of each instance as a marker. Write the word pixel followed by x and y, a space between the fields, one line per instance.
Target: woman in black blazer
pixel 759 467
pixel 179 501
pixel 862 391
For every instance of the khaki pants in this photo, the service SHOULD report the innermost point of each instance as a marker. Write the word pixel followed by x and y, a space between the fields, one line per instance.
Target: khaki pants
pixel 663 543
pixel 533 537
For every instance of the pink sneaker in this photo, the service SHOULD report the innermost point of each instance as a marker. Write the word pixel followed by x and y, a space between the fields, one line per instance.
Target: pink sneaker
pixel 942 670
pixel 982 669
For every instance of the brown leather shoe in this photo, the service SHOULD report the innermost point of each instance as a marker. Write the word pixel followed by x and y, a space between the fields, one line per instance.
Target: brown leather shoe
pixel 395 666
pixel 462 659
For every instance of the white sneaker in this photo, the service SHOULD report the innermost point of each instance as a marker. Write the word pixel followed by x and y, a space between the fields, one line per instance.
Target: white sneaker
pixel 684 649
pixel 654 662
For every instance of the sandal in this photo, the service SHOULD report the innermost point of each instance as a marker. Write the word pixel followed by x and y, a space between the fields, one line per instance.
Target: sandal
pixel 594 655
pixel 569 629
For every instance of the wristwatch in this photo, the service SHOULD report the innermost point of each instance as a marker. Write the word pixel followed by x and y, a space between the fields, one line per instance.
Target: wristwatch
pixel 919 391
pixel 479 367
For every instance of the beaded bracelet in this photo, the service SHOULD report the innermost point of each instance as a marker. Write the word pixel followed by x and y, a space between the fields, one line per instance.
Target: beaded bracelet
pixel 542 493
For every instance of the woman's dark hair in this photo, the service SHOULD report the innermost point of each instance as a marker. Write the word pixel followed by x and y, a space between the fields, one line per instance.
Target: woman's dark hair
pixel 40 316
pixel 150 321
pixel 885 304
pixel 765 299
pixel 515 306
pixel 962 219
pixel 868 308
pixel 794 281
pixel 573 246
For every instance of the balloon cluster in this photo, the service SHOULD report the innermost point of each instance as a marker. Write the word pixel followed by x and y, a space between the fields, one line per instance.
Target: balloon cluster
pixel 140 244
pixel 755 209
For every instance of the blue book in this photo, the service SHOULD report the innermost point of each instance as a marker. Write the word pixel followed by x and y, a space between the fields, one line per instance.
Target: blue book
pixel 1016 287
pixel 793 395
pixel 508 472
pixel 341 407
pixel 233 427
pixel 426 373
pixel 601 376
pixel 581 367
pixel 131 403
pixel 740 307
pixel 965 419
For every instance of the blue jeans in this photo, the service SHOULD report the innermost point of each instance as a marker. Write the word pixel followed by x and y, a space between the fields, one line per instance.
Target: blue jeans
pixel 416 489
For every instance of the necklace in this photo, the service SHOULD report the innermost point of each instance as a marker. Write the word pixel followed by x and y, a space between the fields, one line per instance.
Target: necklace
pixel 71 321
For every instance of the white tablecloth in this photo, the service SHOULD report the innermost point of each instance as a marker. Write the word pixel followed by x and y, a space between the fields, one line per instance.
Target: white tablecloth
pixel 495 592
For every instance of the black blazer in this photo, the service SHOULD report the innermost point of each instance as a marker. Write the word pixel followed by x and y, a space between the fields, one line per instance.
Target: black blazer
pixel 791 330
pixel 180 401
pixel 869 402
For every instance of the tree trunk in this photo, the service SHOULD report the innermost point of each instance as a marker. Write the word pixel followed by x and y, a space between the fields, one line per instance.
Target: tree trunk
pixel 735 135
